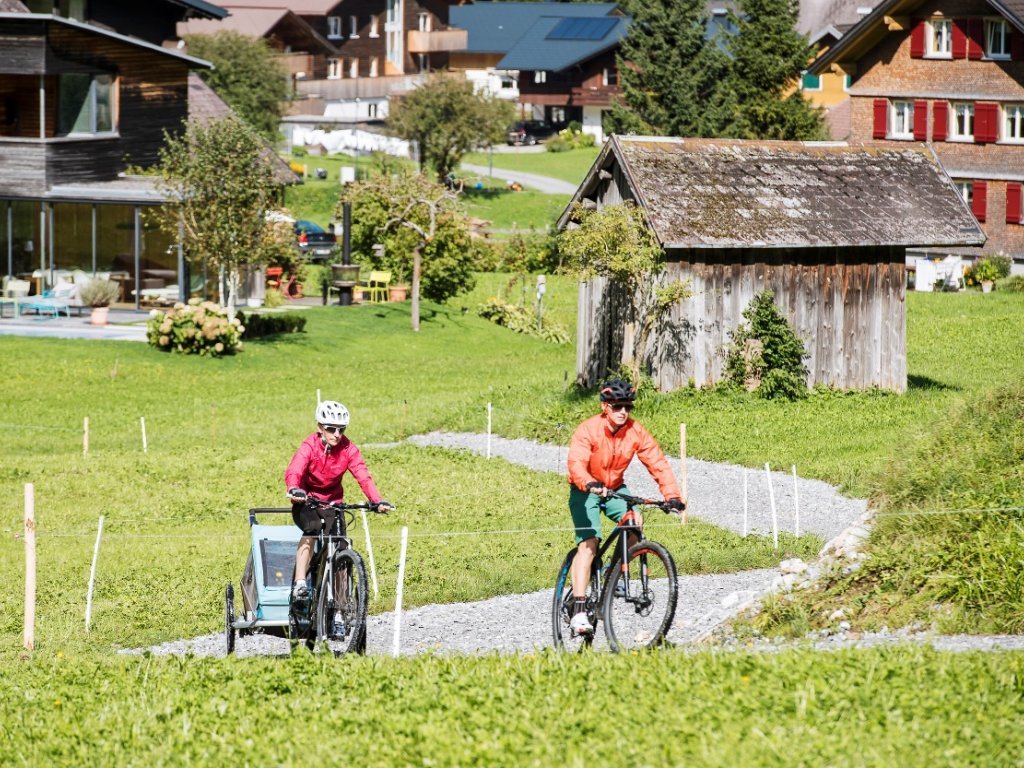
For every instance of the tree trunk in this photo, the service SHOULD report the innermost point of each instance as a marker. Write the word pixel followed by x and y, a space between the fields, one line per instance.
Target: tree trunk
pixel 416 288
pixel 233 281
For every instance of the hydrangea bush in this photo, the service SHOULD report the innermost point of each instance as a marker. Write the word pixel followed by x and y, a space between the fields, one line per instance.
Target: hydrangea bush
pixel 196 328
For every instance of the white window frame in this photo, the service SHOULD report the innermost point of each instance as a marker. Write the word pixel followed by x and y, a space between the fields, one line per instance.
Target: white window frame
pixel 540 76
pixel 426 22
pixel 334 69
pixel 966 191
pixel 940 38
pixel 353 68
pixel 374 26
pixel 374 66
pixel 1012 124
pixel 997 35
pixel 334 27
pixel 901 120
pixel 353 26
pixel 961 121
pixel 371 110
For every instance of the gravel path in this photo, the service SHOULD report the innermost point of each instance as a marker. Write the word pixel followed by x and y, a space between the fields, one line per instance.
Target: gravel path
pixel 521 623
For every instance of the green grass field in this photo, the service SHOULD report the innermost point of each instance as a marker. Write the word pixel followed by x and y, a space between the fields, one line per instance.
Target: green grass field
pixel 569 166
pixel 220 433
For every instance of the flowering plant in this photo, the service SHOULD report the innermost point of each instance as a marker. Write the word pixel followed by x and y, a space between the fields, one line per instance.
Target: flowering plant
pixel 199 328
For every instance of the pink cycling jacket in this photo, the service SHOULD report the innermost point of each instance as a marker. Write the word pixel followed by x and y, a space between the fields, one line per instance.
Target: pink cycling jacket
pixel 317 469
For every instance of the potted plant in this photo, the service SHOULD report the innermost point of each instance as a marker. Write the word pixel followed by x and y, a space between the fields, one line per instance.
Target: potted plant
pixel 99 294
pixel 398 292
pixel 986 272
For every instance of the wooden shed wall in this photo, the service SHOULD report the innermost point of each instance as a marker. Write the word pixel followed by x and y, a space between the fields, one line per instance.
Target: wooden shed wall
pixel 846 304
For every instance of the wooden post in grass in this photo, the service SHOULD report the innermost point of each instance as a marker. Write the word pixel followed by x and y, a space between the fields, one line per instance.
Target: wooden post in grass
pixel 396 645
pixel 145 447
pixel 92 576
pixel 771 499
pixel 682 473
pixel 85 436
pixel 369 553
pixel 796 505
pixel 30 567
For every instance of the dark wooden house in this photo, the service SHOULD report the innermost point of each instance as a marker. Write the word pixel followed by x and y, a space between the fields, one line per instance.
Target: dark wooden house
pixel 823 225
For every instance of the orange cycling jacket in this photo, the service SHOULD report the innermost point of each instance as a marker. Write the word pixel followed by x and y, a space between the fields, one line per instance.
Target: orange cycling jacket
pixel 596 453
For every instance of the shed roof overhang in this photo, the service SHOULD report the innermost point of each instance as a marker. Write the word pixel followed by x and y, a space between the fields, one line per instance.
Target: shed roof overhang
pixel 720 193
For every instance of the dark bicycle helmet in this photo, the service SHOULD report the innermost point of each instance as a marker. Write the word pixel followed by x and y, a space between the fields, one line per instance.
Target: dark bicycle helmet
pixel 617 390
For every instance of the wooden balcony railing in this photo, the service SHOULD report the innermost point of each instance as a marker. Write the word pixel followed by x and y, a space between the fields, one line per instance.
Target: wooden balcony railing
pixel 434 42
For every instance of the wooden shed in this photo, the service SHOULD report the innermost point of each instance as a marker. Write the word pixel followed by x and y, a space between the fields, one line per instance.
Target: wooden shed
pixel 825 226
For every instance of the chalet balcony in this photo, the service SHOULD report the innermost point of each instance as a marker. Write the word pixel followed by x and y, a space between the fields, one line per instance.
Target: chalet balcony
pixel 437 42
pixel 357 87
pixel 309 66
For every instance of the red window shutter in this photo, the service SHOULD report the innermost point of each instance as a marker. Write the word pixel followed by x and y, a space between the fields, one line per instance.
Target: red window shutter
pixel 1013 200
pixel 920 121
pixel 940 120
pixel 1016 45
pixel 986 122
pixel 917 37
pixel 975 38
pixel 881 118
pixel 959 39
pixel 980 196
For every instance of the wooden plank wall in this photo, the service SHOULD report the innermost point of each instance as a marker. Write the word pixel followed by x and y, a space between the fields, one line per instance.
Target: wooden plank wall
pixel 846 304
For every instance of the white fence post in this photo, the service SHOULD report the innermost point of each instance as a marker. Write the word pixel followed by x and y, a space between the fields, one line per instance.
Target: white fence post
pixel 30 567
pixel 145 447
pixel 488 430
pixel 85 436
pixel 796 505
pixel 369 553
pixel 771 498
pixel 92 576
pixel 396 645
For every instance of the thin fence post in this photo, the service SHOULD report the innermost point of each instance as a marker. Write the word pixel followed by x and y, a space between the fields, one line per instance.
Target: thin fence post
pixel 771 499
pixel 489 409
pixel 396 645
pixel 85 436
pixel 796 505
pixel 369 553
pixel 145 447
pixel 92 576
pixel 745 502
pixel 30 567
pixel 682 473
pixel 318 400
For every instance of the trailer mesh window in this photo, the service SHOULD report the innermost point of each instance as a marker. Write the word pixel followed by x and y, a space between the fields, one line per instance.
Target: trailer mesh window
pixel 278 562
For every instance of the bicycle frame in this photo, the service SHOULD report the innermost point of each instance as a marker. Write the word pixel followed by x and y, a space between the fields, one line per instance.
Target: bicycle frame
pixel 629 524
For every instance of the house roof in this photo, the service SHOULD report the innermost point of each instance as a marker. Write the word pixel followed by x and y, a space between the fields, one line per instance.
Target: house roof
pixel 301 7
pixel 203 8
pixel 722 193
pixel 261 23
pixel 869 31
pixel 496 27
pixel 12 6
pixel 554 44
pixel 204 104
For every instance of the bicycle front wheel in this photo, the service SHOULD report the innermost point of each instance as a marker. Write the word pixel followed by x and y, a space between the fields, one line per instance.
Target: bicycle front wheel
pixel 341 619
pixel 640 598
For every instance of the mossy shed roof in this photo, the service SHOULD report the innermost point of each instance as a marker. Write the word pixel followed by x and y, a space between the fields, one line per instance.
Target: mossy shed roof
pixel 725 193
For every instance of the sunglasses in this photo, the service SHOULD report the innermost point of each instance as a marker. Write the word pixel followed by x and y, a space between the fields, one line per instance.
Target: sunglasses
pixel 627 407
pixel 333 429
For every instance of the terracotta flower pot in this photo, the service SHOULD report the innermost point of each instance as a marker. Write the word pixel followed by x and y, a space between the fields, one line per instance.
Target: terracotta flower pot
pixel 398 292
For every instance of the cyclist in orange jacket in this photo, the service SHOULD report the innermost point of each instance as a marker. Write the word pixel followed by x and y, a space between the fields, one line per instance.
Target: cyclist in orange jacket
pixel 599 452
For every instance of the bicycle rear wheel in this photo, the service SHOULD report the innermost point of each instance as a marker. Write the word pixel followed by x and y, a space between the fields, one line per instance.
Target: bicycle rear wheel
pixel 563 605
pixel 229 618
pixel 349 602
pixel 640 598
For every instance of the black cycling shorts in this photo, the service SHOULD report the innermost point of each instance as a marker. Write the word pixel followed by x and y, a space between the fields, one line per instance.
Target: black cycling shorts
pixel 308 519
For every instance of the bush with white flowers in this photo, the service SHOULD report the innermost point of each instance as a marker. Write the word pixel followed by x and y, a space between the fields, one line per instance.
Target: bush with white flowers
pixel 196 328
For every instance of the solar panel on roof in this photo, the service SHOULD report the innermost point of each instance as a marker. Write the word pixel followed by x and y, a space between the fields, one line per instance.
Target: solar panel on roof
pixel 582 29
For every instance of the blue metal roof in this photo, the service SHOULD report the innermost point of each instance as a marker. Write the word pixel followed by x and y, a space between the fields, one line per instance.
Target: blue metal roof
pixel 496 27
pixel 537 50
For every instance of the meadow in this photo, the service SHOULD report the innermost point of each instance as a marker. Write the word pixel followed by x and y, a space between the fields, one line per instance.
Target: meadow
pixel 219 435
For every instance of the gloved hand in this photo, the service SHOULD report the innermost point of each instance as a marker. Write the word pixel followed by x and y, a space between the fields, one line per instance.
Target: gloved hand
pixel 677 504
pixel 296 495
pixel 381 506
pixel 596 486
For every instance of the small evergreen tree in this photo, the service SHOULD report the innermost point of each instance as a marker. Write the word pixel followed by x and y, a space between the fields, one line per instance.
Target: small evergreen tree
pixel 768 57
pixel 765 354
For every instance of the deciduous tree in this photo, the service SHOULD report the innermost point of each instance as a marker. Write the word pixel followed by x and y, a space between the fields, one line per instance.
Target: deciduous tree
pixel 446 119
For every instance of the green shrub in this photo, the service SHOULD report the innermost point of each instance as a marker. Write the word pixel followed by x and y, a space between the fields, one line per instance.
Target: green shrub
pixel 196 328
pixel 98 292
pixel 765 354
pixel 257 325
pixel 522 320
pixel 1013 284
pixel 985 270
pixel 558 144
pixel 313 277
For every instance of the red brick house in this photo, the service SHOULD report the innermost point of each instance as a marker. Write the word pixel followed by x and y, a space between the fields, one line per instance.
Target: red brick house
pixel 949 73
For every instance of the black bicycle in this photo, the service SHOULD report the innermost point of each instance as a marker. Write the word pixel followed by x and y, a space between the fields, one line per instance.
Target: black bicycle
pixel 337 588
pixel 635 596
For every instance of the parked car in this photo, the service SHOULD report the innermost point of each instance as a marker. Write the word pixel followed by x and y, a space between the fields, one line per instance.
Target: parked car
pixel 315 242
pixel 529 132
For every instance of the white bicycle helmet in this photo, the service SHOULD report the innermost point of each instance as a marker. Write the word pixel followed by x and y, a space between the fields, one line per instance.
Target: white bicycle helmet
pixel 333 413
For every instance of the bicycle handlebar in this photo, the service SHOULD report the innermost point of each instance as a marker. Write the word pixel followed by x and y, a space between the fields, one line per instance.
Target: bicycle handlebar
pixel 639 500
pixel 343 507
